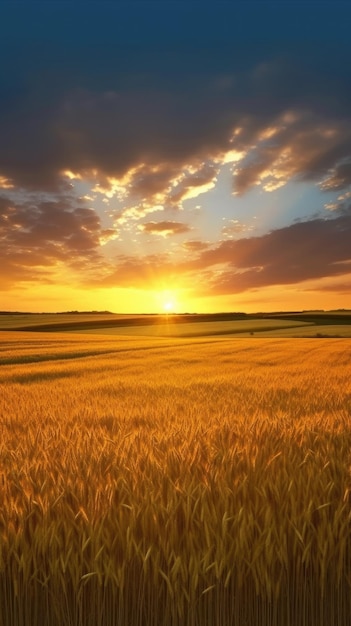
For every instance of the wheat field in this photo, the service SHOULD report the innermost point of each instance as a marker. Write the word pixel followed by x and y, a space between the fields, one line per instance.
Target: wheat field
pixel 158 482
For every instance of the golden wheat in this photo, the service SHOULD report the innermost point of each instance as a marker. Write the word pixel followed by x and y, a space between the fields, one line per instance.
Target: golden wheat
pixel 157 483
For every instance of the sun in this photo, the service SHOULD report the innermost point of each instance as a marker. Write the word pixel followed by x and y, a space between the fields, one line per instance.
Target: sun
pixel 168 306
pixel 168 301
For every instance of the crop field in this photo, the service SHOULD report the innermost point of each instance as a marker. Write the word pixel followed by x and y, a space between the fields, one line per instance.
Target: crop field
pixel 152 481
pixel 303 324
pixel 206 329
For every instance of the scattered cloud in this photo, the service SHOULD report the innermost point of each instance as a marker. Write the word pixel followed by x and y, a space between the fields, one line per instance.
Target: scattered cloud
pixel 342 204
pixel 194 181
pixel 195 246
pixel 134 213
pixel 302 146
pixel 338 177
pixel 5 183
pixel 165 229
pixel 234 227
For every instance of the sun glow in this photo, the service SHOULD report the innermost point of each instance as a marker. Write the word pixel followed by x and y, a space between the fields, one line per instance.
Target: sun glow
pixel 168 306
pixel 168 301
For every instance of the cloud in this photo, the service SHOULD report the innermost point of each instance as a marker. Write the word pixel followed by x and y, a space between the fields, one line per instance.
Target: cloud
pixel 335 286
pixel 270 152
pixel 234 227
pixel 152 182
pixel 134 213
pixel 297 145
pixel 196 246
pixel 306 250
pixel 338 178
pixel 159 187
pixel 194 181
pixel 39 235
pixel 165 229
pixel 341 205
pixel 140 134
pixel 165 161
pixel 5 183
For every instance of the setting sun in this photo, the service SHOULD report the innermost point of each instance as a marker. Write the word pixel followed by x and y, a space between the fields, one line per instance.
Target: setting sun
pixel 168 301
pixel 168 306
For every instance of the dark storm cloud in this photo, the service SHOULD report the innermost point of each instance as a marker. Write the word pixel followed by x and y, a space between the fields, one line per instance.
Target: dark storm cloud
pixel 109 88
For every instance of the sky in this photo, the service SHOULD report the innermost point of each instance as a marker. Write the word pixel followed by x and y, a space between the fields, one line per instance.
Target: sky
pixel 179 156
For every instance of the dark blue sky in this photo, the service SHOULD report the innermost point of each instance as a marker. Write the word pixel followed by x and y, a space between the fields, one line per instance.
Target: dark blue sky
pixel 200 121
pixel 109 43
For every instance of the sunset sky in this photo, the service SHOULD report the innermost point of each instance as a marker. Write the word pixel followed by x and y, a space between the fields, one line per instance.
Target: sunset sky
pixel 175 155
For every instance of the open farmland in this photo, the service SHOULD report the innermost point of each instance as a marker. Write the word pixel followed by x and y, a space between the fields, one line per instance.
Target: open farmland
pixel 298 324
pixel 206 329
pixel 159 482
